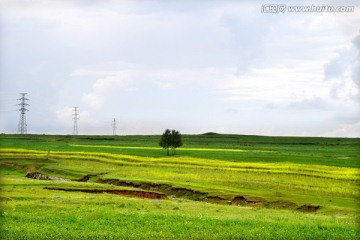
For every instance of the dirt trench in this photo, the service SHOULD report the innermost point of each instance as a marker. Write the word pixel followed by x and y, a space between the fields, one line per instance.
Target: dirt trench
pixel 185 193
pixel 140 194
pixel 164 188
pixel 308 208
pixel 89 176
pixel 163 191
pixel 203 196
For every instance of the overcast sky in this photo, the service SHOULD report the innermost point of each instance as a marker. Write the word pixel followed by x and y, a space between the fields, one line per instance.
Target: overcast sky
pixel 194 66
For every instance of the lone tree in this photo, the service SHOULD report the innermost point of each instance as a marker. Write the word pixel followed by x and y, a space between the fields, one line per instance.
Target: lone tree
pixel 175 140
pixel 170 139
pixel 165 140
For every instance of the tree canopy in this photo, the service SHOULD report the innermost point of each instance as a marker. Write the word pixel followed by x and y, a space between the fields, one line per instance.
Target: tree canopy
pixel 170 139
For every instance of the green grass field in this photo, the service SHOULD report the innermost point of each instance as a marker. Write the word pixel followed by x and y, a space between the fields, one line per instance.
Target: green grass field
pixel 216 187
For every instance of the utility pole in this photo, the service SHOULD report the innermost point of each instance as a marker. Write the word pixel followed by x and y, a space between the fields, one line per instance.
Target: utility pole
pixel 22 126
pixel 75 118
pixel 114 125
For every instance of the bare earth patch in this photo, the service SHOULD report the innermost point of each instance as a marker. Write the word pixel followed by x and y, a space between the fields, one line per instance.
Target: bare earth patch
pixel 40 176
pixel 140 194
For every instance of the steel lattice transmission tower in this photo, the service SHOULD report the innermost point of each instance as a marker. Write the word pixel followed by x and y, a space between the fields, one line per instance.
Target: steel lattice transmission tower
pixel 22 126
pixel 114 126
pixel 75 118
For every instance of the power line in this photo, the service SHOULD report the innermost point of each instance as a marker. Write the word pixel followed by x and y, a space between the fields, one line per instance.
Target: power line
pixel 114 126
pixel 75 118
pixel 22 126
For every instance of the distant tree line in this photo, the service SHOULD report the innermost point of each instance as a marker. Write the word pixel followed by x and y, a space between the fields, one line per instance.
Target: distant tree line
pixel 170 140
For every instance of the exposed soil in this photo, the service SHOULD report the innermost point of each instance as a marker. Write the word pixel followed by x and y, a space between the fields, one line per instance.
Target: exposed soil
pixel 40 176
pixel 164 188
pixel 88 176
pixel 252 203
pixel 308 208
pixel 237 201
pixel 168 190
pixel 140 194
pixel 215 199
pixel 203 196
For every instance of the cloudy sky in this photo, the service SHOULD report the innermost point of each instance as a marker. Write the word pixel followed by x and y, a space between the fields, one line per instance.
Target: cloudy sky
pixel 195 66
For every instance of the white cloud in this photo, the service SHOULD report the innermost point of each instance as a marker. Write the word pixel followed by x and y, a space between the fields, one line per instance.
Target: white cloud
pixel 92 100
pixel 343 72
pixel 276 85
pixel 103 87
pixel 104 69
pixel 64 114
pixel 356 63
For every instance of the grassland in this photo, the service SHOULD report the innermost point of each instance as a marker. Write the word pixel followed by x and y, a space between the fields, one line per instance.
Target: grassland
pixel 216 187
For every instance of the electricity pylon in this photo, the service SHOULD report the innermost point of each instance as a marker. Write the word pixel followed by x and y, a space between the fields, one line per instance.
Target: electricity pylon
pixel 114 125
pixel 75 118
pixel 22 126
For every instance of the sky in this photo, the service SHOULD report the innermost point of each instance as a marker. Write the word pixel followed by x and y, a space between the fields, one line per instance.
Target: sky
pixel 194 66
